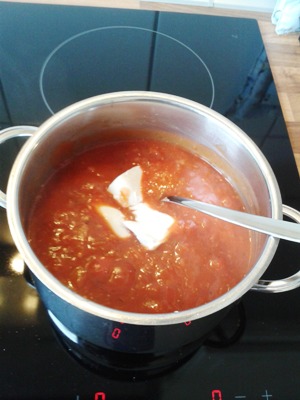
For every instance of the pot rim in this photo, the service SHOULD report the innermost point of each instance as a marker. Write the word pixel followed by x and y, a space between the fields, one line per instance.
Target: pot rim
pixel 54 285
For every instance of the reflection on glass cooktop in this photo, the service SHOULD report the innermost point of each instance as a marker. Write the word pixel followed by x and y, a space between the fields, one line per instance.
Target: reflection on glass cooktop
pixel 56 55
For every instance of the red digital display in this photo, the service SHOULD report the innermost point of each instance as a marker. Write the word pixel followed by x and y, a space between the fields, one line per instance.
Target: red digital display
pixel 100 396
pixel 216 394
pixel 116 333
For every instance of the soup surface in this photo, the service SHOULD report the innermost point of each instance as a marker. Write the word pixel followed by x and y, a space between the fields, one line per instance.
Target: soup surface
pixel 200 258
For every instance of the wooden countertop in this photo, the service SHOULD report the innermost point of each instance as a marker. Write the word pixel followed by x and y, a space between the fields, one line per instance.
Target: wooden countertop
pixel 284 57
pixel 283 52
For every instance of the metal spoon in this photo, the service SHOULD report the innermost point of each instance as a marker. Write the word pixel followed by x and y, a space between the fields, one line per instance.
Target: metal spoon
pixel 270 226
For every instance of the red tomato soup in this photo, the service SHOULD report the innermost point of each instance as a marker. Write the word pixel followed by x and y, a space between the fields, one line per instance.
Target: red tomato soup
pixel 200 259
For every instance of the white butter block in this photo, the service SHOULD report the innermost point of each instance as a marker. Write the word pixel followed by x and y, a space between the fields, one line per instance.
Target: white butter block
pixel 115 219
pixel 126 188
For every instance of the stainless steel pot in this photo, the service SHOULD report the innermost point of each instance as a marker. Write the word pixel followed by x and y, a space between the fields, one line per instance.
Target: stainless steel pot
pixel 141 340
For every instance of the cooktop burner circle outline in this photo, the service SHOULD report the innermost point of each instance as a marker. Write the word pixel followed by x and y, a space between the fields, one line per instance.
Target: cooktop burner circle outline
pixel 86 32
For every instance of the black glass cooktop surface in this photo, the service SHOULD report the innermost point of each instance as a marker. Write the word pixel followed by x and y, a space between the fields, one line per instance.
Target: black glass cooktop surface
pixel 52 56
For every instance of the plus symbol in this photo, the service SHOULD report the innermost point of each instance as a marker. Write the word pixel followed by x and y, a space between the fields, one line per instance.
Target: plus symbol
pixel 266 396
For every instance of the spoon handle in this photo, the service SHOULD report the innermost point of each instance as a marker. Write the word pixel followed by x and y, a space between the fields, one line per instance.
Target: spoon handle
pixel 270 226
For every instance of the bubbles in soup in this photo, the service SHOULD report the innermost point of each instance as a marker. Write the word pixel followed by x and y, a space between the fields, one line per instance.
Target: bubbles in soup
pixel 94 252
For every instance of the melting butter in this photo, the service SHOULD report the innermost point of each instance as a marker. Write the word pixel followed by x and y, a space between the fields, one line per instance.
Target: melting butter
pixel 115 220
pixel 127 187
pixel 151 227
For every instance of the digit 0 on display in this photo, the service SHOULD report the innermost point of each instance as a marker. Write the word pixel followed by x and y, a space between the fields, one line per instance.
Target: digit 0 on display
pixel 116 333
pixel 216 395
pixel 100 396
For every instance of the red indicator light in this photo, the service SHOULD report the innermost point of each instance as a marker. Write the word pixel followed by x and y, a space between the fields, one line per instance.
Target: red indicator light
pixel 116 333
pixel 216 395
pixel 188 323
pixel 100 396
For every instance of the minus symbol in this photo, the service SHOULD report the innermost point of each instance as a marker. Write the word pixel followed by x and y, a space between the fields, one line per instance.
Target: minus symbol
pixel 239 397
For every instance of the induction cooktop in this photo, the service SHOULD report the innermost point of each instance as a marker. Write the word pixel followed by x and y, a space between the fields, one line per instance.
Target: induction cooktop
pixel 52 56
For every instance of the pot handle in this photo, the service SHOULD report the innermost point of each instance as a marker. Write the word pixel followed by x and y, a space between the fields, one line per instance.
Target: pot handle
pixel 10 133
pixel 286 284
